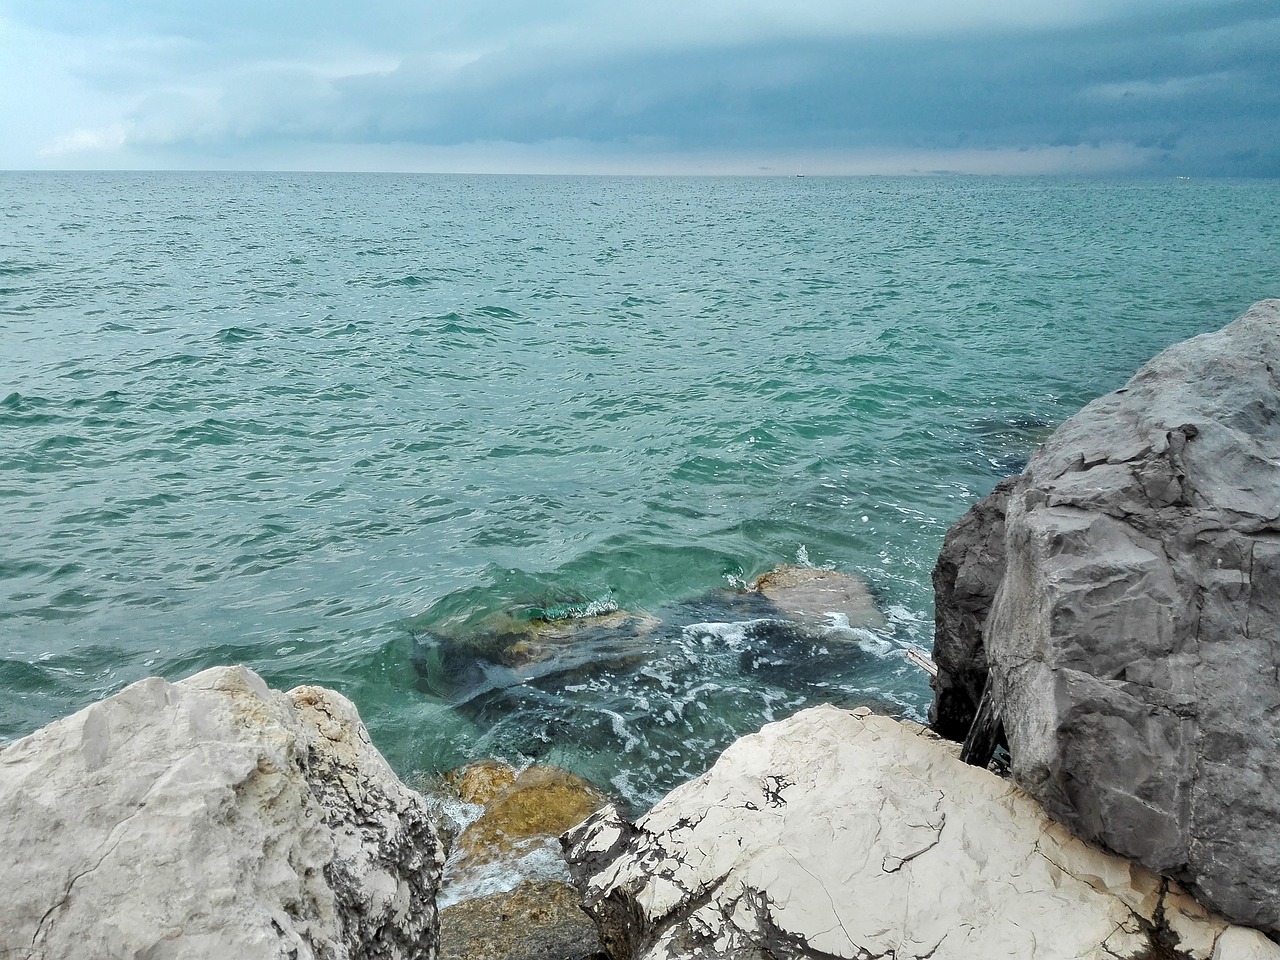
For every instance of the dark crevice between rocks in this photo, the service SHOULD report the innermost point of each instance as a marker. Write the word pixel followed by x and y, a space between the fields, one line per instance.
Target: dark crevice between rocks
pixel 968 571
pixel 1162 941
pixel 986 733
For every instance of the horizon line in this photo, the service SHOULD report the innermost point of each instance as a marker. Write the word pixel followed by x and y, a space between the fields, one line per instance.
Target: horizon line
pixel 761 175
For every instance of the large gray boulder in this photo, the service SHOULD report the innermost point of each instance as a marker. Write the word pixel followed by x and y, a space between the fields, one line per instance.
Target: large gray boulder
pixel 213 818
pixel 1132 632
pixel 838 834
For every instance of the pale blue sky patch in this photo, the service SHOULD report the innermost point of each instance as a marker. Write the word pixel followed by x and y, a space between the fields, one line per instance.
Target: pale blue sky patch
pixel 1153 86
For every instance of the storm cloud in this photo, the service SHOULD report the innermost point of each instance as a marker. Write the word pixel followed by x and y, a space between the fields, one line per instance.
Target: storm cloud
pixel 1162 87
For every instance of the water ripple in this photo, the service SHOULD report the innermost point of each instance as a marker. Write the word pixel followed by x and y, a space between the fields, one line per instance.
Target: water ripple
pixel 274 418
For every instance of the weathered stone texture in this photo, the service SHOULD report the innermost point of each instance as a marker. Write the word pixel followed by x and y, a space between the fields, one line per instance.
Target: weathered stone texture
pixel 512 833
pixel 213 818
pixel 1133 635
pixel 847 835
pixel 506 893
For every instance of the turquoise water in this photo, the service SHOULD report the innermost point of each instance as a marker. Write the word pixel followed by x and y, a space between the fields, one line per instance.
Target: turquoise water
pixel 296 421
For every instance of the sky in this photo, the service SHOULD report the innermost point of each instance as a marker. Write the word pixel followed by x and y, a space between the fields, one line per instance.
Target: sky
pixel 1148 87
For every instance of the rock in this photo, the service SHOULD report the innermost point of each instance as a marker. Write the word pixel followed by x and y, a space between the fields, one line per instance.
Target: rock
pixel 517 642
pixel 1133 640
pixel 476 664
pixel 480 782
pixel 213 818
pixel 821 598
pixel 538 805
pixel 510 829
pixel 506 892
pixel 969 568
pixel 1237 943
pixel 847 835
pixel 538 920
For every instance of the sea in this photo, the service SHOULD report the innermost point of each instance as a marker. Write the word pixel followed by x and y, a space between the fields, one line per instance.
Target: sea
pixel 326 424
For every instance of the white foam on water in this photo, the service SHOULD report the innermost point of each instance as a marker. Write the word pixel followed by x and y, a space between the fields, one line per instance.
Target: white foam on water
pixel 733 635
pixel 622 731
pixel 770 699
pixel 595 685
pixel 597 608
pixel 877 646
pixel 542 862
pixel 898 615
pixel 651 671
pixel 448 809
pixel 802 560
pixel 866 640
pixel 621 782
pixel 690 697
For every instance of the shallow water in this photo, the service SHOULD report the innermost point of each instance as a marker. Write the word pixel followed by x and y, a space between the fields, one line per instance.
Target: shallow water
pixel 296 421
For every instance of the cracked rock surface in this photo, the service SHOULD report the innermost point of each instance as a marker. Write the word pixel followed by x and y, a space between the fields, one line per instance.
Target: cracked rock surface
pixel 837 834
pixel 213 818
pixel 1124 596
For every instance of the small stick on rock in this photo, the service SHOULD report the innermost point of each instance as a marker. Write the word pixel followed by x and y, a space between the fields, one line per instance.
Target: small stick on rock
pixel 923 662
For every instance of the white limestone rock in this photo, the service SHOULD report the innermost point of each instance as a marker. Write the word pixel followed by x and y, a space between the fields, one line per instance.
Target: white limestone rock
pixel 837 834
pixel 213 818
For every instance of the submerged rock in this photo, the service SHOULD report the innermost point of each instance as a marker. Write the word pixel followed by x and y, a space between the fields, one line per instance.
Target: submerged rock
pixel 1126 600
pixel 846 835
pixel 538 805
pixel 820 598
pixel 510 826
pixel 480 782
pixel 469 663
pixel 519 641
pixel 464 657
pixel 213 818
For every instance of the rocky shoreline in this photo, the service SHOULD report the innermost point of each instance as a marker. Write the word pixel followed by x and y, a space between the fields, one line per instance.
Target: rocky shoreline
pixel 1111 616
pixel 844 834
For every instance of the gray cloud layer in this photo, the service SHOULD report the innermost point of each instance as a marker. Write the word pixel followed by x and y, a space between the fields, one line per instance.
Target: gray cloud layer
pixel 1158 86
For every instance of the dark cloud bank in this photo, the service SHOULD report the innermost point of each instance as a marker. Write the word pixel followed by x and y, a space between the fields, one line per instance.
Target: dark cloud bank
pixel 1190 90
